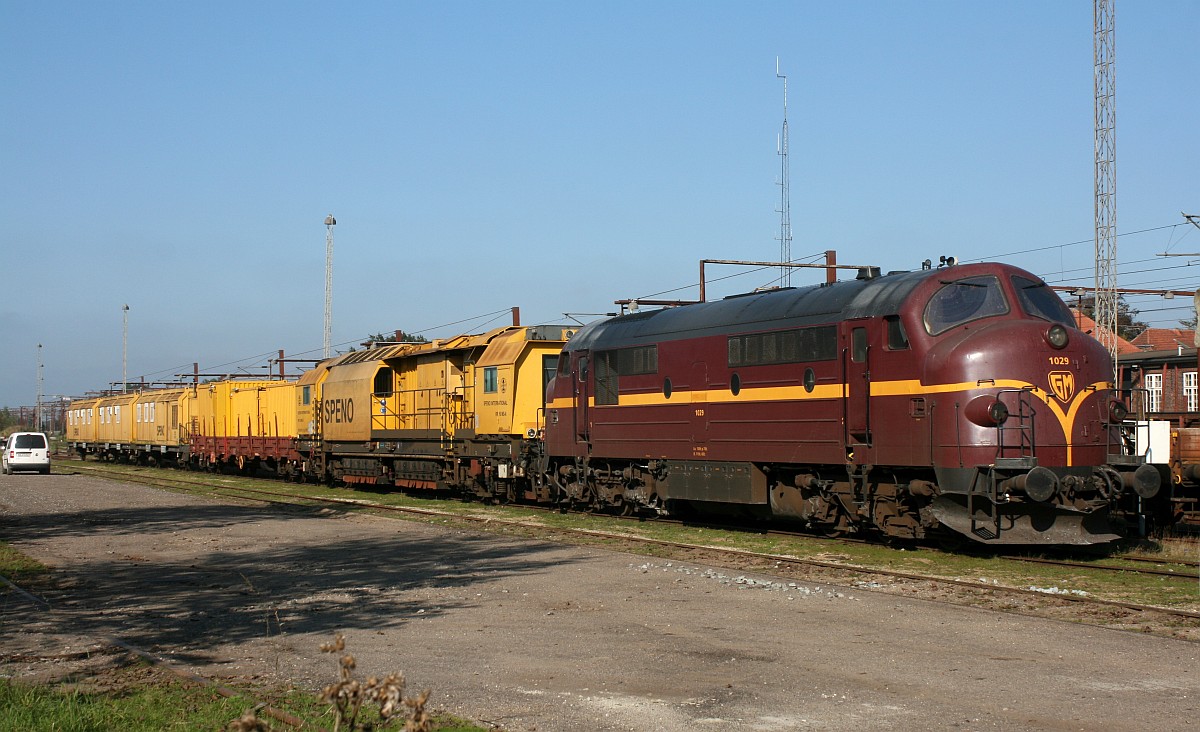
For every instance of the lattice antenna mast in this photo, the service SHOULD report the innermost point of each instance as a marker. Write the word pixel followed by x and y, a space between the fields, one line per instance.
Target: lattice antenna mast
pixel 785 193
pixel 329 224
pixel 1105 85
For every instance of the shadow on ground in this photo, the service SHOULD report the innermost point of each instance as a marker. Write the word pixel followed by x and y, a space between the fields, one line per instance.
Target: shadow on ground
pixel 201 575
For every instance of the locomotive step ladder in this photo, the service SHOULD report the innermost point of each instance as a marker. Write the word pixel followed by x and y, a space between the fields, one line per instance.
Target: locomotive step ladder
pixel 1015 450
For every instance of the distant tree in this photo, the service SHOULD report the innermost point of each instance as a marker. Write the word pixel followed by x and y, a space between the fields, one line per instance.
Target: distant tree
pixel 1189 323
pixel 398 336
pixel 1127 327
pixel 403 337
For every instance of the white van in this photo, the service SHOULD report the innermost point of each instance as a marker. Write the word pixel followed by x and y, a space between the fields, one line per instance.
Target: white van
pixel 26 451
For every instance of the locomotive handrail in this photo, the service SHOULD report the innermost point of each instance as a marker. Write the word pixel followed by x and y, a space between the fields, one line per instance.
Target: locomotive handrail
pixel 1126 431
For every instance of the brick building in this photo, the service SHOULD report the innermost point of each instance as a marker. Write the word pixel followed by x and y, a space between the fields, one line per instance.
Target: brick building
pixel 1162 373
pixel 1159 369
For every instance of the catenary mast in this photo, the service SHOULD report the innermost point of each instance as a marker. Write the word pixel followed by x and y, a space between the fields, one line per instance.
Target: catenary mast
pixel 1104 84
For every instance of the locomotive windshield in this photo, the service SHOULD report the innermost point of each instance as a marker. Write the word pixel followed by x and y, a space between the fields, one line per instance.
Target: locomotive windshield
pixel 961 301
pixel 1038 300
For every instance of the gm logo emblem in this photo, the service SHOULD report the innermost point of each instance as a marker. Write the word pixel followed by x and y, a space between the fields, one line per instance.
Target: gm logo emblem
pixel 1062 383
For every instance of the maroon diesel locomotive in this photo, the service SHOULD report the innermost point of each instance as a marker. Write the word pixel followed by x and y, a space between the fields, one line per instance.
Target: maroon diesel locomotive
pixel 959 400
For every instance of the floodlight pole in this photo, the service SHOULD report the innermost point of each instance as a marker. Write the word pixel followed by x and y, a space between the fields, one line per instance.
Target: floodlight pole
pixel 37 411
pixel 124 348
pixel 329 224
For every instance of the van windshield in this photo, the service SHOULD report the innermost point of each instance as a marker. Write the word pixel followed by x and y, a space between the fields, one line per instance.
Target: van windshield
pixel 30 442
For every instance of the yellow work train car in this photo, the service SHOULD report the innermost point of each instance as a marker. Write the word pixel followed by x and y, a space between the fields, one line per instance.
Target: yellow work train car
pixel 307 394
pixel 262 410
pixel 214 413
pixel 244 424
pixel 115 426
pixel 423 390
pixel 81 424
pixel 160 424
pixel 461 413
pixel 334 407
pixel 511 377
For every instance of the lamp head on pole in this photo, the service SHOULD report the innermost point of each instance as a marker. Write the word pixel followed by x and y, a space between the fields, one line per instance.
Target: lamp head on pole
pixel 330 221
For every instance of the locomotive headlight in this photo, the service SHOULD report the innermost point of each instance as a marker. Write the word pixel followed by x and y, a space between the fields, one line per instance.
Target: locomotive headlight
pixel 1056 336
pixel 998 413
pixel 1117 412
pixel 986 410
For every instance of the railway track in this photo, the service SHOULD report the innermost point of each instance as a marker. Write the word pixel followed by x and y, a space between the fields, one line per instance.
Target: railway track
pixel 1187 571
pixel 1178 569
pixel 288 499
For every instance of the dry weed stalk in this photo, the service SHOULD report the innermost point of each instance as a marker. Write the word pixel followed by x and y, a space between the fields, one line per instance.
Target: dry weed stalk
pixel 248 722
pixel 348 695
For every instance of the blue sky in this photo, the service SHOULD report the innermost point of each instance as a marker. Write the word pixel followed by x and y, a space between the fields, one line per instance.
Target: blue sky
pixel 182 157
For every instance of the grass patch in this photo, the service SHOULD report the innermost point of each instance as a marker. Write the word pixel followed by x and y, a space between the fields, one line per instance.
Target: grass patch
pixel 17 567
pixel 165 705
pixel 139 698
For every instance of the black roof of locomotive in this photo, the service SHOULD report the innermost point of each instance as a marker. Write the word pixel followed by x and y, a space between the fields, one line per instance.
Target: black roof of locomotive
pixel 771 310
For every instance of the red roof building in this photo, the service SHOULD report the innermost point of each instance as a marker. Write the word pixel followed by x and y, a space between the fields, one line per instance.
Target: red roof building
pixel 1087 325
pixel 1165 339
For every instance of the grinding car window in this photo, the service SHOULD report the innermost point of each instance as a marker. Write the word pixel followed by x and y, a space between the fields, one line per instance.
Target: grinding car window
pixel 1038 300
pixel 961 301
